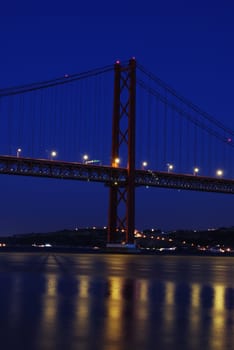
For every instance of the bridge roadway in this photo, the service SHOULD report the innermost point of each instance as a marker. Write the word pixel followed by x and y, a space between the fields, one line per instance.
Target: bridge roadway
pixel 110 176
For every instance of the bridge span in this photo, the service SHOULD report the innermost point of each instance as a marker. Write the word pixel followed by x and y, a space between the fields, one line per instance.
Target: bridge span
pixel 111 176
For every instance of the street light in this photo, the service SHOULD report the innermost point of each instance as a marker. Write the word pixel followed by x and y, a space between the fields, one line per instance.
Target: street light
pixel 85 158
pixel 169 167
pixel 19 150
pixel 116 162
pixel 53 154
pixel 144 164
pixel 219 172
pixel 195 171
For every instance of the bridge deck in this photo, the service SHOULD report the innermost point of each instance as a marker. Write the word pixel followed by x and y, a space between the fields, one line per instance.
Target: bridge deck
pixel 111 176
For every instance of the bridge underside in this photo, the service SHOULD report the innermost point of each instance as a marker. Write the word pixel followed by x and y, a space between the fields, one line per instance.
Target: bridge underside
pixel 111 176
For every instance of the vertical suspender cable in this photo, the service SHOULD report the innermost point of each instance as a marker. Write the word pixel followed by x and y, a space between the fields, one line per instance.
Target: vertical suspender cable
pixel 73 122
pixel 172 141
pixel 195 146
pixel 100 120
pixel 54 116
pixel 165 131
pixel 21 121
pixel 156 149
pixel 9 117
pixel 148 141
pixel 188 147
pixel 180 142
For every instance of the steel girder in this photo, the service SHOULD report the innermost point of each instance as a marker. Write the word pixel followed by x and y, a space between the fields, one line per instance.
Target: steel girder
pixel 111 176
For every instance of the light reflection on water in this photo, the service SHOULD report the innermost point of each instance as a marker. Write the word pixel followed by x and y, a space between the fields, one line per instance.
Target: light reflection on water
pixel 62 301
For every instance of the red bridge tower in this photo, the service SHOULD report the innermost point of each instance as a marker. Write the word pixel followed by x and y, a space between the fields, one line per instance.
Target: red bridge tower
pixel 122 198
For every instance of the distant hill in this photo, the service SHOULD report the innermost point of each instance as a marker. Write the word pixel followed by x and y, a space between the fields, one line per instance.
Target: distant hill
pixel 97 237
pixel 222 236
pixel 81 237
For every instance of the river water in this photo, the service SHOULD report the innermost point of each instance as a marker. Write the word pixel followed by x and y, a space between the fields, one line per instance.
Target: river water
pixel 64 301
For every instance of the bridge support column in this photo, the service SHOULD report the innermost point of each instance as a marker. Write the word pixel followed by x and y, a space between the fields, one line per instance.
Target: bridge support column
pixel 122 198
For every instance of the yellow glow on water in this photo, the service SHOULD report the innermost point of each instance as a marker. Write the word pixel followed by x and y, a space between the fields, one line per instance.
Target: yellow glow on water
pixel 83 306
pixel 113 329
pixel 218 336
pixel 84 287
pixel 50 301
pixel 114 309
pixel 195 295
pixel 142 309
pixel 169 293
pixel 52 285
pixel 83 311
pixel 219 297
pixel 115 288
pixel 195 309
pixel 169 306
pixel 142 290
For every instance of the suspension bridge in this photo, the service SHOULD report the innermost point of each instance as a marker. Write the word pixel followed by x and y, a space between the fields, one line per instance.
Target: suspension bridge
pixel 119 125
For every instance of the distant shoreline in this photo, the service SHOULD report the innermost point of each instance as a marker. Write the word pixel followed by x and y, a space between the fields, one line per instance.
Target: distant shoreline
pixel 88 250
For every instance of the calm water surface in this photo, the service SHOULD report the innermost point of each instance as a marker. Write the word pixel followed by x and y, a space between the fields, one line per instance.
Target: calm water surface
pixel 93 301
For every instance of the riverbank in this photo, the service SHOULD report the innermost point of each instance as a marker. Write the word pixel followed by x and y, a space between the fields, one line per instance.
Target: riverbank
pixel 95 250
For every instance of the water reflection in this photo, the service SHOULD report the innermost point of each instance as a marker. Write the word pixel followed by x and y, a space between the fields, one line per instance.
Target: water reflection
pixel 47 327
pixel 85 302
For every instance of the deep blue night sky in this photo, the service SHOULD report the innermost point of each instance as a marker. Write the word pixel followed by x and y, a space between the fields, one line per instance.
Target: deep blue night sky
pixel 189 47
